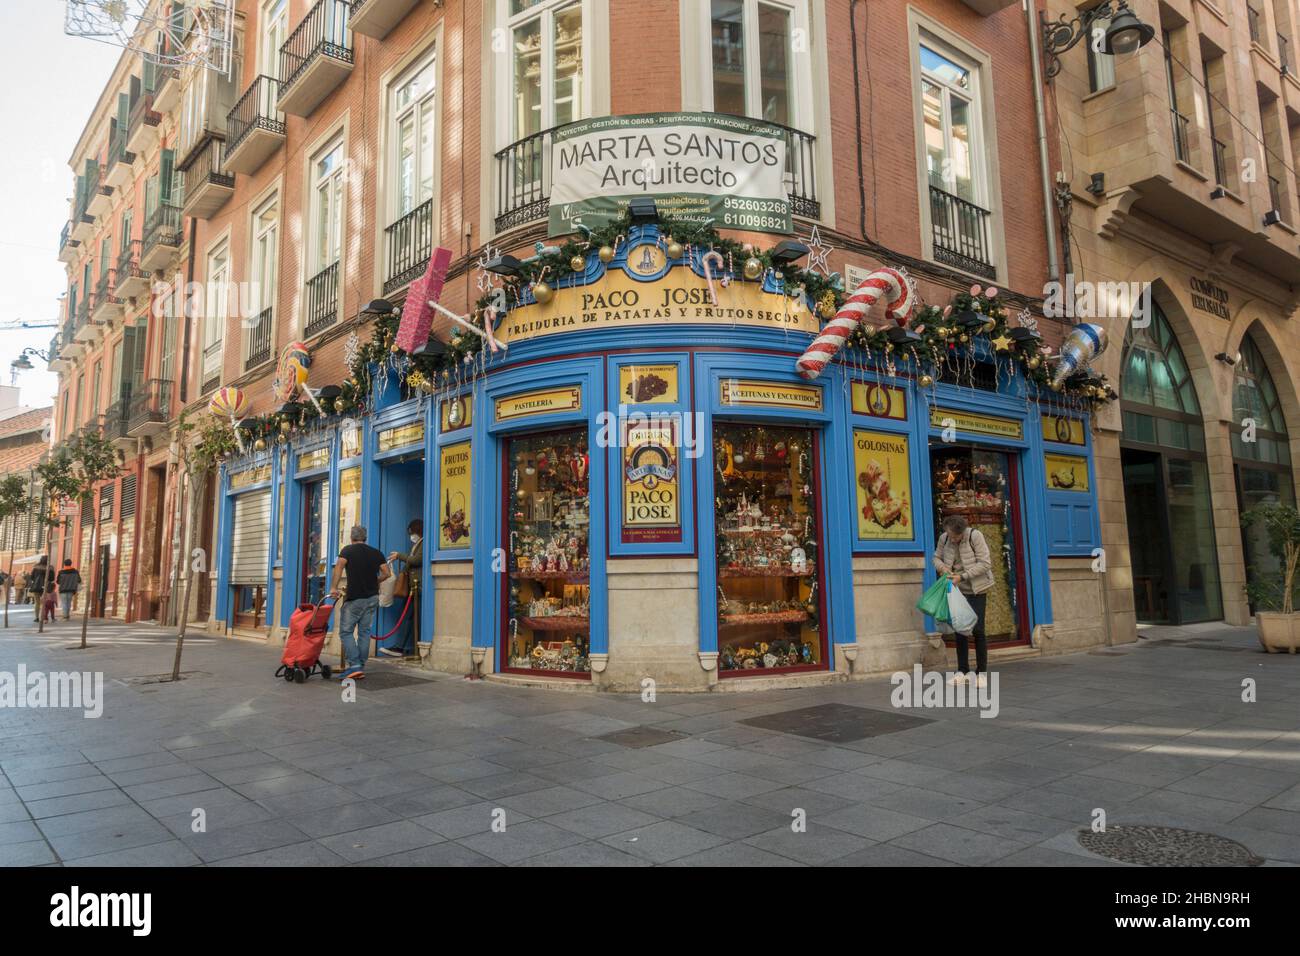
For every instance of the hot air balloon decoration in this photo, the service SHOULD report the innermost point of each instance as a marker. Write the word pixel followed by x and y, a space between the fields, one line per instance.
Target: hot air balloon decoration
pixel 291 375
pixel 230 402
pixel 1084 343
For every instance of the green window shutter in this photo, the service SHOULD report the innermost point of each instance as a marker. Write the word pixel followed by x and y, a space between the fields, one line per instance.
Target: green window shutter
pixel 137 364
pixel 150 81
pixel 81 190
pixel 150 197
pixel 167 173
pixel 123 109
pixel 136 89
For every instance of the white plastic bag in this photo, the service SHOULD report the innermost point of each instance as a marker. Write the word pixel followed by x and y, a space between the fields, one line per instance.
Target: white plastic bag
pixel 961 617
pixel 386 588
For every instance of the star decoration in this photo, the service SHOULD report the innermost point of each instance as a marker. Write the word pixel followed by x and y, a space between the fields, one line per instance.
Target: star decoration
pixel 484 279
pixel 1002 343
pixel 818 253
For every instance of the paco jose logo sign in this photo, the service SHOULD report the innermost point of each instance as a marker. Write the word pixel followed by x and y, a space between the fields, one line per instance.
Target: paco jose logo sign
pixel 650 482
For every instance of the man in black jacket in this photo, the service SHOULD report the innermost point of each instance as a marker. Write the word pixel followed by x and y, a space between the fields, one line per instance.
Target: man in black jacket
pixel 69 583
pixel 36 584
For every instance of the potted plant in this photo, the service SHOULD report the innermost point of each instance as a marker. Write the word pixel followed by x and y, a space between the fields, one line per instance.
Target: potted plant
pixel 1273 594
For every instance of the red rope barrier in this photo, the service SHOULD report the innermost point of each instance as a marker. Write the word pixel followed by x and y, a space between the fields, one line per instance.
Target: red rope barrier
pixel 406 607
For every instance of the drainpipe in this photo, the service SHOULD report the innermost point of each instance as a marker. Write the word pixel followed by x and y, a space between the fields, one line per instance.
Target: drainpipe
pixel 1040 111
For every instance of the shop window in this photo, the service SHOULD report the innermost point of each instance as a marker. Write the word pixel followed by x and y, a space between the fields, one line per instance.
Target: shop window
pixel 249 605
pixel 349 501
pixel 316 557
pixel 767 529
pixel 548 593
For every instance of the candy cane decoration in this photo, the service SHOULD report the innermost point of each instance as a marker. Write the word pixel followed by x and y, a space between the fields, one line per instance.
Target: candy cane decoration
pixel 855 308
pixel 706 261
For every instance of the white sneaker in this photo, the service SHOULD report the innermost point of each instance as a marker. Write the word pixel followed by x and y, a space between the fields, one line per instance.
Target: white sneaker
pixel 981 680
pixel 955 679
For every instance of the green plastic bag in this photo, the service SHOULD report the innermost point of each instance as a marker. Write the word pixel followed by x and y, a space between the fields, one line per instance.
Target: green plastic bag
pixel 934 601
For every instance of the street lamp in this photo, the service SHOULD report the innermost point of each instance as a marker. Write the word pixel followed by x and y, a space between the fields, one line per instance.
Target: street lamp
pixel 23 364
pixel 1124 34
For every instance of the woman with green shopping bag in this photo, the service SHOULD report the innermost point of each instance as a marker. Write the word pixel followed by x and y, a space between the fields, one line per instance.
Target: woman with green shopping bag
pixel 962 555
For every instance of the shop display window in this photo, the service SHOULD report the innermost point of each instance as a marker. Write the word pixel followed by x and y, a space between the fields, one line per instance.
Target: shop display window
pixel 767 529
pixel 548 596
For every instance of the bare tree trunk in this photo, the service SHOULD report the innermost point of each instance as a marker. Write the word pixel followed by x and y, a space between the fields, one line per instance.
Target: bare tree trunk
pixel 178 513
pixel 94 575
pixel 196 506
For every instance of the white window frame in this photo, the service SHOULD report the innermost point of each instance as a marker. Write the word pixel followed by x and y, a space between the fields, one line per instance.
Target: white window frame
pixel 545 11
pixel 336 179
pixel 427 104
pixel 216 309
pixel 924 29
pixel 973 99
pixel 259 233
pixel 272 33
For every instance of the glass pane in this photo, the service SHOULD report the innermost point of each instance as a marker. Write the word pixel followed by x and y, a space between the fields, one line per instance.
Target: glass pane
pixel 406 165
pixel 944 69
pixel 315 558
pixel 528 79
pixel 568 65
pixel 426 152
pixel 775 63
pixel 729 57
pixel 935 146
pixel 1135 383
pixel 768 605
pixel 349 500
pixel 960 165
pixel 548 595
pixel 1191 528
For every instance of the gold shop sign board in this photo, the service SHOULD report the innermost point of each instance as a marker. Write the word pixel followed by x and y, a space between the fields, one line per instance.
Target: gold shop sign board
pixel 1063 429
pixel 737 391
pixel 680 298
pixel 457 413
pixel 978 424
pixel 401 436
pixel 248 477
pixel 311 460
pixel 539 403
pixel 879 401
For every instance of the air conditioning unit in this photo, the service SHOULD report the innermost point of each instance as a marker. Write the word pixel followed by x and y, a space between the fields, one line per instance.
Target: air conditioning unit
pixel 1272 217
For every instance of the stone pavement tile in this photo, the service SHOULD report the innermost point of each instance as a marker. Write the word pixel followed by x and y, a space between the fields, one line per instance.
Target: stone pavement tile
pixel 209 800
pixel 974 784
pixel 582 768
pixel 961 756
pixel 171 787
pixel 602 819
pixel 692 747
pixel 391 784
pixel 246 758
pixel 13 812
pixel 520 841
pixel 1154 770
pixel 71 846
pixel 1230 781
pixel 383 840
pixel 468 820
pixel 226 842
pixel 1170 801
pixel 435 797
pixel 638 759
pixel 31 853
pixel 550 800
pixel 904 771
pixel 254 772
pixel 680 770
pixel 618 786
pixel 59 806
pixel 670 802
pixel 121 750
pixel 888 854
pixel 280 786
pixel 1071 807
pixel 182 824
pixel 1021 774
pixel 424 759
pixel 735 821
pixel 1043 856
pixel 873 823
pixel 931 804
pixel 463 771
pixel 1065 757
pixel 294 854
pixel 663 841
pixel 812 802
pixel 22 831
pixel 124 815
pixel 1014 824
pixel 33 776
pixel 840 758
pixel 958 844
pixel 585 854
pixel 343 818
pixel 170 853
pixel 734 786
pixel 330 795
pixel 1100 789
pixel 526 759
pixel 1267 844
pixel 22 768
pixel 1267 818
pixel 438 854
pixel 65 788
pixel 816 846
pixel 852 786
pixel 735 855
pixel 156 771
pixel 508 784
pixel 1287 800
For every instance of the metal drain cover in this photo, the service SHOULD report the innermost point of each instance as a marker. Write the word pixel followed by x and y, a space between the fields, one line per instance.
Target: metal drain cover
pixel 1166 846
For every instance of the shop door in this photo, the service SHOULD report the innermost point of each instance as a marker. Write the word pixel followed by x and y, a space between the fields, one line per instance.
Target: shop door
pixel 768 528
pixel 101 590
pixel 401 500
pixel 982 485
pixel 1148 535
pixel 547 595
pixel 315 556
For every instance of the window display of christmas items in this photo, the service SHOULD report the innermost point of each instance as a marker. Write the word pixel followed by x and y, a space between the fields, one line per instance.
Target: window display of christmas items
pixel 766 530
pixel 548 595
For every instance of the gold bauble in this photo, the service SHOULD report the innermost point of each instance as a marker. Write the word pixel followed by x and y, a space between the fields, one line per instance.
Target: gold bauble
pixel 1056 386
pixel 826 304
pixel 542 292
pixel 964 337
pixel 285 426
pixel 578 264
pixel 394 349
pixel 988 327
pixel 1034 361
pixel 259 445
pixel 675 249
pixel 340 406
pixel 606 254
pixel 753 267
pixel 925 381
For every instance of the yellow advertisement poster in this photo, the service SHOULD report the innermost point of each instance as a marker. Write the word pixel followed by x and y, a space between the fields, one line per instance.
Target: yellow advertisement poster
pixel 978 424
pixel 401 436
pixel 879 401
pixel 1066 472
pixel 648 384
pixel 539 403
pixel 1063 429
pixel 457 491
pixel 884 482
pixel 651 482
pixel 736 391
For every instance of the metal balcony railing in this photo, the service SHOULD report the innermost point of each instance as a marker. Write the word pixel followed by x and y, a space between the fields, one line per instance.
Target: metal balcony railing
pixel 409 243
pixel 255 110
pixel 523 176
pixel 142 113
pixel 1283 53
pixel 1181 136
pixel 117 151
pixel 322 32
pixel 81 213
pixel 106 287
pixel 150 404
pixel 962 233
pixel 162 228
pixel 322 299
pixel 259 340
pixel 82 317
pixel 128 261
pixel 1253 20
pixel 1220 161
pixel 64 235
pixel 1275 194
pixel 203 166
pixel 116 419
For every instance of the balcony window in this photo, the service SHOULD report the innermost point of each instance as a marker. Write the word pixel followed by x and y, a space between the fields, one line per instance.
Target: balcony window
pixel 273 32
pixel 753 58
pixel 262 275
pixel 326 240
pixel 548 77
pixel 413 155
pixel 214 316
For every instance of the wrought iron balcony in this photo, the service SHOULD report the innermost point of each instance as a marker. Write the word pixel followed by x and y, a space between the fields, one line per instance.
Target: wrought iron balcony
pixel 322 299
pixel 1220 161
pixel 107 304
pixel 408 245
pixel 162 237
pixel 961 233
pixel 132 281
pixel 523 176
pixel 115 421
pixel 375 18
pixel 150 408
pixel 142 128
pixel 316 58
pixel 120 159
pixel 258 340
pixel 1254 22
pixel 255 127
pixel 83 330
pixel 1283 53
pixel 67 245
pixel 70 348
pixel 1182 136
pixel 99 198
pixel 1275 195
pixel 207 185
pixel 166 87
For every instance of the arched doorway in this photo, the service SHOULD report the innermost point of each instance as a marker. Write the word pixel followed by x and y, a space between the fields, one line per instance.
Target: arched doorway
pixel 1261 457
pixel 1166 481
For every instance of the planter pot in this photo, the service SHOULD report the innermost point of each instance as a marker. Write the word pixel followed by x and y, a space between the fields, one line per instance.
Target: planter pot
pixel 1278 632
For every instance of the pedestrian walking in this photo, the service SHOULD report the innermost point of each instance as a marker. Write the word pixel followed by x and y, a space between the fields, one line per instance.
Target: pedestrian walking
pixel 404 643
pixel 365 567
pixel 50 603
pixel 963 555
pixel 22 587
pixel 69 580
pixel 36 582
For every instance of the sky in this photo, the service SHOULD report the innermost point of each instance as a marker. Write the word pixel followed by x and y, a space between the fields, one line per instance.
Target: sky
pixel 51 83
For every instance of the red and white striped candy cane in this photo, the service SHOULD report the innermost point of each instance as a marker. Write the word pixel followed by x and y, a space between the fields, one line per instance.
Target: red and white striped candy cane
pixel 855 309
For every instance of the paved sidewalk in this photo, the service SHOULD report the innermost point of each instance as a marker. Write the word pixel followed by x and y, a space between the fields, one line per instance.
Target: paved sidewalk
pixel 416 769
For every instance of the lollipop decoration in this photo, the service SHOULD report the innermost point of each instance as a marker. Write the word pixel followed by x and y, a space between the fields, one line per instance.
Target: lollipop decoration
pixel 291 374
pixel 706 261
pixel 413 332
pixel 1084 343
pixel 850 316
pixel 230 402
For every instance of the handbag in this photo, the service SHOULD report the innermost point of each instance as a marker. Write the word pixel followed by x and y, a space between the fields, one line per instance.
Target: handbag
pixel 386 588
pixel 402 584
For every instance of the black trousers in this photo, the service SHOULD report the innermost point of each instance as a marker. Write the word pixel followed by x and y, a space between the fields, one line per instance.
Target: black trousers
pixel 977 603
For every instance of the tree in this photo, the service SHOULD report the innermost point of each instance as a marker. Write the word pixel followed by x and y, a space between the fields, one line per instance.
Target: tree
pixel 203 446
pixel 13 500
pixel 1281 523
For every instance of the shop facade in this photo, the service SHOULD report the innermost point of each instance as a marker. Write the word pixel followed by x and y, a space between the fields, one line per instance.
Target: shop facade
pixel 640 485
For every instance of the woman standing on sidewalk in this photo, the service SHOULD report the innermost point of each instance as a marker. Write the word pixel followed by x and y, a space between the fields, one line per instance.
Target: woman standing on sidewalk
pixel 963 555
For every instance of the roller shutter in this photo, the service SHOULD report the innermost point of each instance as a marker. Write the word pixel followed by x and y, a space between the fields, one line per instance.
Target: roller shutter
pixel 250 541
